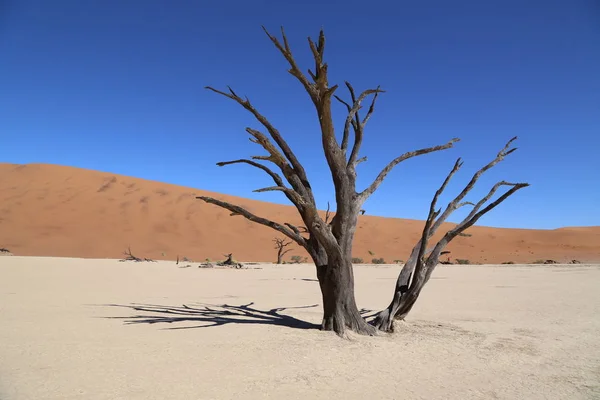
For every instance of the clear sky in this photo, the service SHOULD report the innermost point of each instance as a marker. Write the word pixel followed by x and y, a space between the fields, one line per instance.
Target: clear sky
pixel 117 86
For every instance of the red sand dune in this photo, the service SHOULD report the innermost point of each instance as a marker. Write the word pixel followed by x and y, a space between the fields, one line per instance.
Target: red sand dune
pixel 49 210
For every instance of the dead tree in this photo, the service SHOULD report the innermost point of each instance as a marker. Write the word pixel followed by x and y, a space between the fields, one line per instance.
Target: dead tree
pixel 329 243
pixel 280 245
pixel 228 259
pixel 130 257
pixel 230 262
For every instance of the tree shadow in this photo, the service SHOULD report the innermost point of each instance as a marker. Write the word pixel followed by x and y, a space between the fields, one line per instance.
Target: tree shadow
pixel 210 315
pixel 367 314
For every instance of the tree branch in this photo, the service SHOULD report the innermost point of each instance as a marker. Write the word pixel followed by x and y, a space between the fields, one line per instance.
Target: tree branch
pixel 433 258
pixel 456 202
pixel 415 262
pixel 386 170
pixel 431 217
pixel 318 50
pixel 287 151
pixel 475 214
pixel 421 265
pixel 286 51
pixel 353 119
pixel 291 194
pixel 296 230
pixel 327 214
pixel 302 187
pixel 259 220
pixel 359 130
pixel 276 178
pixel 362 159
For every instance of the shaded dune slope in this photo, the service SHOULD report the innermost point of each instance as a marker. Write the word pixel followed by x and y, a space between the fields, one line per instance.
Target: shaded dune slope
pixel 50 210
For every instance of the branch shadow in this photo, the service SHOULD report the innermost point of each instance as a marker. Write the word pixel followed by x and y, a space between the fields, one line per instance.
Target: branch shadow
pixel 211 315
pixel 368 315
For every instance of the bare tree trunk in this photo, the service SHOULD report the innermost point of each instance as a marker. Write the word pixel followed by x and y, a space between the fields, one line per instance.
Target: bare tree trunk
pixel 401 304
pixel 336 281
pixel 339 304
pixel 397 310
pixel 385 319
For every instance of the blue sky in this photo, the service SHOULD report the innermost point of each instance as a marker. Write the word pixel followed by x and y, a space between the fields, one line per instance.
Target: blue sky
pixel 117 85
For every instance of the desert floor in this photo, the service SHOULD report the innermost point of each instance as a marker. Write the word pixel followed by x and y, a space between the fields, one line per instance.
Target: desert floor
pixel 69 331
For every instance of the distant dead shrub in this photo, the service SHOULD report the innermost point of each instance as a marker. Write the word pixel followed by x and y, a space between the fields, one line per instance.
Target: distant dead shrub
pixel 357 260
pixel 378 261
pixel 130 257
pixel 299 259
pixel 508 262
pixel 463 261
pixel 540 261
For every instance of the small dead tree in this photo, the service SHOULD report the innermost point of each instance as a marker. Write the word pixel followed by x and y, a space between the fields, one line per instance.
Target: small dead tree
pixel 130 257
pixel 280 246
pixel 228 259
pixel 230 262
pixel 329 242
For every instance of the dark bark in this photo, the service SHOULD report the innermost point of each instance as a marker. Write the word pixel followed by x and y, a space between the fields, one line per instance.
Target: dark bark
pixel 340 311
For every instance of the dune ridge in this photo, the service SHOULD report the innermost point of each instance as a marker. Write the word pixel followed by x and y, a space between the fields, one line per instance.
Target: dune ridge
pixel 52 210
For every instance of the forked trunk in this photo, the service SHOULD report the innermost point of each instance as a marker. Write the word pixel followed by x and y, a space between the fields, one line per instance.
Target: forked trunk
pixel 406 293
pixel 398 309
pixel 339 305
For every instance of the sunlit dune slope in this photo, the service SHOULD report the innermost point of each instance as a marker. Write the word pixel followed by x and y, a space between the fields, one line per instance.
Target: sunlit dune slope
pixel 50 210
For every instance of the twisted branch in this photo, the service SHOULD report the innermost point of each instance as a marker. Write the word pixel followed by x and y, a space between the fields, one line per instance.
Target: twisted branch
pixel 237 210
pixel 287 151
pixel 435 220
pixel 386 170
